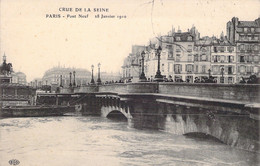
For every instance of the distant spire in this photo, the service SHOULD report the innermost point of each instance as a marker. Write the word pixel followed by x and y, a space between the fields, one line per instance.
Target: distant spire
pixel 4 58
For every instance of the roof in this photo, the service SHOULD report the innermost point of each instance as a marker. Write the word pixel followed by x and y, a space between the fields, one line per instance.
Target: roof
pixel 248 24
pixel 184 36
pixel 205 42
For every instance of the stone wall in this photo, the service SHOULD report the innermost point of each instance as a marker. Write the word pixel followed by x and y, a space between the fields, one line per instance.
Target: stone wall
pixel 148 87
pixel 115 88
pixel 238 92
pixel 86 89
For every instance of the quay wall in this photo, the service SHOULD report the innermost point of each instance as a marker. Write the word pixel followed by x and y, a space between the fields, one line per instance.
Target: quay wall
pixel 34 111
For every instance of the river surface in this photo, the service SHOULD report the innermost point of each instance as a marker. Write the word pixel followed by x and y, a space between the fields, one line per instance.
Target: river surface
pixel 86 141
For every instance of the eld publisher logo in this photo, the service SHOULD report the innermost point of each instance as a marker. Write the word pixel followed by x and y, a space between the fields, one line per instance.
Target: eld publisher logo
pixel 14 162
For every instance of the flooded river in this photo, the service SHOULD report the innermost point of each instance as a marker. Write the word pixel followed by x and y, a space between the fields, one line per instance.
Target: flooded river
pixel 86 141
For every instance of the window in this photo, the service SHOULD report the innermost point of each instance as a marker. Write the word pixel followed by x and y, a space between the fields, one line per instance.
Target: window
pixel 215 69
pixel 215 49
pixel 230 59
pixel 189 58
pixel 242 59
pixel 189 38
pixel 178 49
pixel 196 68
pixel 241 37
pixel 177 69
pixel 246 47
pixel 178 38
pixel 245 29
pixel 170 51
pixel 196 57
pixel 203 57
pixel 178 57
pixel 189 68
pixel 248 69
pixel 203 69
pixel 250 58
pixel 222 49
pixel 218 58
pixel 255 69
pixel 256 58
pixel 215 59
pixel 189 48
pixel 222 59
pixel 230 70
pixel 241 47
pixel 252 29
pixel 230 49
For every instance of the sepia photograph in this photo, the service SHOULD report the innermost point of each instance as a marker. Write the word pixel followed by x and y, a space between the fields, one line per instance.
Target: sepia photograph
pixel 129 82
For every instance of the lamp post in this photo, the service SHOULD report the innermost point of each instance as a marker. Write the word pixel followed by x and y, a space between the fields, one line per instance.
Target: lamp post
pixel 142 77
pixel 222 75
pixel 70 80
pixel 74 82
pixel 92 78
pixel 46 86
pixel 60 80
pixel 99 80
pixel 158 77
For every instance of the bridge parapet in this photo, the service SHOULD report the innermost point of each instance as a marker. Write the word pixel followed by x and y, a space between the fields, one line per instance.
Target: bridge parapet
pixel 238 92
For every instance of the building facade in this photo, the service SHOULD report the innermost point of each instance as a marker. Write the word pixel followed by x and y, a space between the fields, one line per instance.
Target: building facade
pixel 202 59
pixel 61 76
pixel 223 61
pixel 131 68
pixel 19 77
pixel 246 36
pixel 185 57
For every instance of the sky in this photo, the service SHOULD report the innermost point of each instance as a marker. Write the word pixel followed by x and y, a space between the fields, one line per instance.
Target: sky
pixel 33 42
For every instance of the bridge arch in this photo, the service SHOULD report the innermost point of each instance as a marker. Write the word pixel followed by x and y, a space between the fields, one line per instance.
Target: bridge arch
pixel 115 112
pixel 116 115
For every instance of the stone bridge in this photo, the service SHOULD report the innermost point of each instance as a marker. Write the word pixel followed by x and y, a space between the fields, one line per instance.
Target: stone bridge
pixel 229 113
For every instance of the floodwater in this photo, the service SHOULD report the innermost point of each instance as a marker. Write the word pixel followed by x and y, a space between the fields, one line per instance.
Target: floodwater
pixel 86 141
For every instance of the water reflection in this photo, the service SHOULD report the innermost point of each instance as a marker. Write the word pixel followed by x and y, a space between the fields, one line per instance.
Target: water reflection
pixel 100 141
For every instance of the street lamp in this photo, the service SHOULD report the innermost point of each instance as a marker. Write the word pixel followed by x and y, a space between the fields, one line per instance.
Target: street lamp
pixel 222 75
pixel 46 85
pixel 60 80
pixel 158 77
pixel 74 82
pixel 142 77
pixel 70 79
pixel 99 80
pixel 92 78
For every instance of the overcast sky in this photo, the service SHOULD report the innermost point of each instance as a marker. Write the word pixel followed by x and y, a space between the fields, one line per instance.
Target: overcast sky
pixel 34 43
